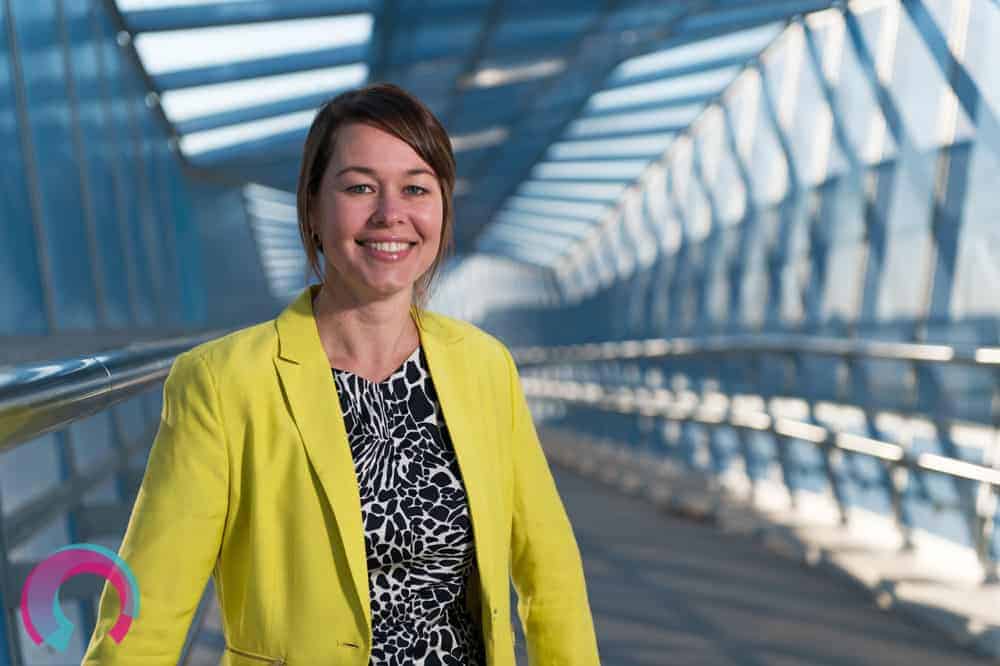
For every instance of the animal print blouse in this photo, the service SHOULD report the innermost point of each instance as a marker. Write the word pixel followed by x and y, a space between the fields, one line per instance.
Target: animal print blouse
pixel 418 534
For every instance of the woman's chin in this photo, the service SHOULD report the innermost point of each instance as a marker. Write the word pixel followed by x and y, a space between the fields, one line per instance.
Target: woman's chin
pixel 387 289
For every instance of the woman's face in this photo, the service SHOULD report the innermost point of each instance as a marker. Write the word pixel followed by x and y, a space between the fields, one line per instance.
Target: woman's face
pixel 378 212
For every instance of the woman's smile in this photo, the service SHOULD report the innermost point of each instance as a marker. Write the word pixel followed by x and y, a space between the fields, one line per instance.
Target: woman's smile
pixel 387 250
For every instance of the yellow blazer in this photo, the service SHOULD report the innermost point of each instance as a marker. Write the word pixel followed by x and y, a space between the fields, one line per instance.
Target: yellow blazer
pixel 250 479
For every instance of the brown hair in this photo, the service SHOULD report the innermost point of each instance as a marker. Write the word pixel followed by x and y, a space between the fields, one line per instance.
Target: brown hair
pixel 393 110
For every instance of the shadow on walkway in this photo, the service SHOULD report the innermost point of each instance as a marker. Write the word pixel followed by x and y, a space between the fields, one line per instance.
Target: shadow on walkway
pixel 668 591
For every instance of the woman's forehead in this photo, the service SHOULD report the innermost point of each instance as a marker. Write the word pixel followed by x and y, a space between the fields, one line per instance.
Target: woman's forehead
pixel 373 148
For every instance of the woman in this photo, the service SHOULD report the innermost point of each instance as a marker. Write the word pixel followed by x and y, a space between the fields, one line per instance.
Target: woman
pixel 361 476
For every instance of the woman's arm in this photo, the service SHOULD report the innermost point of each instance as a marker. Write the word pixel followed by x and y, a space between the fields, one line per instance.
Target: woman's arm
pixel 545 559
pixel 175 530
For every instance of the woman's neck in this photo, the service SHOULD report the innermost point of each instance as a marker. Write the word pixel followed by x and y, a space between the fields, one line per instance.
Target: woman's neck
pixel 370 339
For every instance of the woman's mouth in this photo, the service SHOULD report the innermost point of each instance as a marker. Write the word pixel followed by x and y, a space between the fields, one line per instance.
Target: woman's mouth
pixel 387 250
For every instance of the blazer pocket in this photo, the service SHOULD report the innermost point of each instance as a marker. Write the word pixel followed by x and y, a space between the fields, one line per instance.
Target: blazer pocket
pixel 238 657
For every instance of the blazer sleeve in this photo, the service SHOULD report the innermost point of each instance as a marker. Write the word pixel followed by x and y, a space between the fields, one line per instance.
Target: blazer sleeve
pixel 175 530
pixel 545 560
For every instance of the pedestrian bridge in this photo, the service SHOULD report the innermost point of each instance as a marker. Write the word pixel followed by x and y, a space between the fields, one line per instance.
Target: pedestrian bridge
pixel 745 255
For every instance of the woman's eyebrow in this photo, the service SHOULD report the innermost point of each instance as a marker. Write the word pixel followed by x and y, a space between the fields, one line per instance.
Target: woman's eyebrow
pixel 371 172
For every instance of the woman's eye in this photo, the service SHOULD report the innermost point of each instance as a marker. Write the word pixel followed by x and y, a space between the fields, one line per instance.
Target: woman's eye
pixel 359 189
pixel 416 189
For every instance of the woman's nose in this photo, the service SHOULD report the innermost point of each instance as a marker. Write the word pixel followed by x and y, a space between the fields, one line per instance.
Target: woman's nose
pixel 390 207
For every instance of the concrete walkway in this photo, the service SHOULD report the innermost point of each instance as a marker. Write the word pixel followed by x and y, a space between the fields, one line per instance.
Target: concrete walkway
pixel 674 592
pixel 671 591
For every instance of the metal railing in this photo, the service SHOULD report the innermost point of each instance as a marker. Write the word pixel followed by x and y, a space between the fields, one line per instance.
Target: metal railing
pixel 41 398
pixel 659 349
pixel 719 410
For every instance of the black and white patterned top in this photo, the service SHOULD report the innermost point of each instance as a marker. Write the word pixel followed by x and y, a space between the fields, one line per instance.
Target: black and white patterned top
pixel 418 534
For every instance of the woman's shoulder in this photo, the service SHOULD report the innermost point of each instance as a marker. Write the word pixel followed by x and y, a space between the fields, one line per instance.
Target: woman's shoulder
pixel 238 353
pixel 454 329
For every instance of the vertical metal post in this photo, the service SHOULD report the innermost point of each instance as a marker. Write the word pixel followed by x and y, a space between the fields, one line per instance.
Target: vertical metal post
pixel 67 472
pixel 31 171
pixel 145 225
pixel 746 451
pixel 986 510
pixel 951 181
pixel 89 222
pixel 120 212
pixel 899 479
pixel 10 642
pixel 829 452
pixel 831 457
pixel 780 442
pixel 988 501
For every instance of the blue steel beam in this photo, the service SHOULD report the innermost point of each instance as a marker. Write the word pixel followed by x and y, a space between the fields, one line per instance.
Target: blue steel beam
pixel 547 45
pixel 577 224
pixel 491 17
pixel 589 81
pixel 524 231
pixel 619 134
pixel 265 146
pixel 969 96
pixel 689 26
pixel 539 245
pixel 584 180
pixel 383 30
pixel 252 69
pixel 234 13
pixel 517 209
pixel 657 105
pixel 558 239
pixel 639 152
pixel 262 11
pixel 686 29
pixel 519 252
pixel 281 173
pixel 727 15
pixel 258 112
pixel 529 261
pixel 536 189
pixel 577 208
pixel 699 67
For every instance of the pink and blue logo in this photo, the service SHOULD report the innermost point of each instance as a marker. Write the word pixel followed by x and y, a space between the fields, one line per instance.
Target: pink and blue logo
pixel 40 610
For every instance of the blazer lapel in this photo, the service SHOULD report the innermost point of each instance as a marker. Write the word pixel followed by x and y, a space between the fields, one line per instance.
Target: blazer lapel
pixel 452 373
pixel 312 395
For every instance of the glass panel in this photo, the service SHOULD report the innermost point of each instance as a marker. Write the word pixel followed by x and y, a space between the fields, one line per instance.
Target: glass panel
pixel 651 145
pixel 20 276
pixel 200 142
pixel 616 170
pixel 51 132
pixel 705 83
pixel 640 121
pixel 183 49
pixel 181 105
pixel 747 41
pixel 585 191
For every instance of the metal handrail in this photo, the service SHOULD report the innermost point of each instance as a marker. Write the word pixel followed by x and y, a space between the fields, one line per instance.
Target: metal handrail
pixel 659 403
pixel 43 397
pixel 39 398
pixel 659 348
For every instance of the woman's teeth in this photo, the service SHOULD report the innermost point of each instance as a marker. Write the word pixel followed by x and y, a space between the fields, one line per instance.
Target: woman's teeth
pixel 388 247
